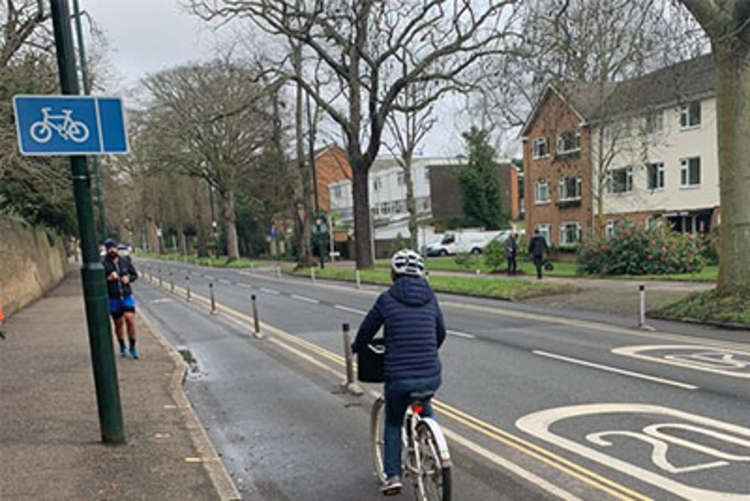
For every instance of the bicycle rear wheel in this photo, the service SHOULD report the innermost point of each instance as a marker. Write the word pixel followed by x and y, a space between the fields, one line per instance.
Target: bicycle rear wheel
pixel 377 441
pixel 435 484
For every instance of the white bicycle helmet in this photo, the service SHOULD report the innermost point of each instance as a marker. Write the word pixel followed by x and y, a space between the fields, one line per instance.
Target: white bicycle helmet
pixel 408 262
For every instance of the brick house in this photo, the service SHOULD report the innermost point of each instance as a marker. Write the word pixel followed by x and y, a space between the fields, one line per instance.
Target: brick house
pixel 643 149
pixel 331 166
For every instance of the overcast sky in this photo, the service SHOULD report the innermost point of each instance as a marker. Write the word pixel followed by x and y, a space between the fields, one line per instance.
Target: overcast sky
pixel 146 36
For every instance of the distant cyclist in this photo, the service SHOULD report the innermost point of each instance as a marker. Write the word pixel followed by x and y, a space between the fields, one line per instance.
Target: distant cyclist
pixel 414 330
pixel 120 274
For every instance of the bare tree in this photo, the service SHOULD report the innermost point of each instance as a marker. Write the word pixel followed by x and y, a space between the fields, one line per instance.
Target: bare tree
pixel 217 119
pixel 439 40
pixel 727 24
pixel 408 129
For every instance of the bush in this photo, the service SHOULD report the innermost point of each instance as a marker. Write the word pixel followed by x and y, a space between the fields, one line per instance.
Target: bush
pixel 494 255
pixel 634 250
pixel 710 247
pixel 464 260
pixel 398 244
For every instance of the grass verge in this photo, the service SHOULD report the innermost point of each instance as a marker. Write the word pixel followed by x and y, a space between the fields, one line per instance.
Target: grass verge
pixel 508 289
pixel 202 261
pixel 563 269
pixel 708 307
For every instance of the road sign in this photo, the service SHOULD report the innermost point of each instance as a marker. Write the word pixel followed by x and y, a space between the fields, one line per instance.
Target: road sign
pixel 70 125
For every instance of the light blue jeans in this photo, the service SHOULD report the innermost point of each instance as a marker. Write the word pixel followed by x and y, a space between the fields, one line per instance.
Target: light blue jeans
pixel 396 401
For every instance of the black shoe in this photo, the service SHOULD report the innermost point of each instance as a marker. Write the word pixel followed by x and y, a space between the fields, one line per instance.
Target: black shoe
pixel 392 486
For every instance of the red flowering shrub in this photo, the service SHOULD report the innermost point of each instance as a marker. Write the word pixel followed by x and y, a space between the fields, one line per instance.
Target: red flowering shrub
pixel 634 250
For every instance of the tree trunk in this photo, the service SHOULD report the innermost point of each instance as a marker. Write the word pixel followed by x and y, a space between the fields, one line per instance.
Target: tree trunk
pixel 302 186
pixel 230 224
pixel 183 242
pixel 411 205
pixel 361 197
pixel 153 238
pixel 733 67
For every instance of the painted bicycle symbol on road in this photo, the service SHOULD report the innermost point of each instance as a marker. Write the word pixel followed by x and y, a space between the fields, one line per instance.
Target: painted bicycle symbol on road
pixel 68 128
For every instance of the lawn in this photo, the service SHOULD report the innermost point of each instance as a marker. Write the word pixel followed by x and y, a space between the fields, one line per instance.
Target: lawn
pixel 563 269
pixel 508 289
pixel 203 261
pixel 708 306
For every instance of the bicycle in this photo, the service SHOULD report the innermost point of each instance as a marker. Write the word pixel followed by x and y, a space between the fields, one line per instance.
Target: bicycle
pixel 426 459
pixel 75 130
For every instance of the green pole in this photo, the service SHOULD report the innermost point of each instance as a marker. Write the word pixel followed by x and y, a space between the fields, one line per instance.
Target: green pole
pixel 94 284
pixel 98 195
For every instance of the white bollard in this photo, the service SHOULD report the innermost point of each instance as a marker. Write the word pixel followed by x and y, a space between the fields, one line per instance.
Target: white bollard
pixel 312 274
pixel 642 309
pixel 359 279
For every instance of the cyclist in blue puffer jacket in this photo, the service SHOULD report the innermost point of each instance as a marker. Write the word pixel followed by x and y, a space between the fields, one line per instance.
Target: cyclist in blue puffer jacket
pixel 414 330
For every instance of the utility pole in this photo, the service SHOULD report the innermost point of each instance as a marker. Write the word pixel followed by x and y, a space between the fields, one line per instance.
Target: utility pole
pixel 98 194
pixel 94 284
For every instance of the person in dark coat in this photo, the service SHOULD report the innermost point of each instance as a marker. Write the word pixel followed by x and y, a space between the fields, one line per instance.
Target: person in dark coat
pixel 511 250
pixel 414 331
pixel 537 248
pixel 120 273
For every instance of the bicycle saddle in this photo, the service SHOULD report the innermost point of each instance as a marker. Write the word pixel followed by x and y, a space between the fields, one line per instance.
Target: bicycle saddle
pixel 421 395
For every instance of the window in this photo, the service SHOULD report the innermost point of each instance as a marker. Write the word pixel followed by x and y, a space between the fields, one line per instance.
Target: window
pixel 385 208
pixel 539 147
pixel 427 175
pixel 337 192
pixel 400 179
pixel 655 176
pixel 620 180
pixel 569 142
pixel 654 122
pixel 690 173
pixel 609 229
pixel 377 184
pixel 570 188
pixel 544 230
pixel 690 115
pixel 570 233
pixel 542 192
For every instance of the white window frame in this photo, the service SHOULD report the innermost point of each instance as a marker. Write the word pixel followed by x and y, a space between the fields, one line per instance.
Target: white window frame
pixel 661 176
pixel 686 117
pixel 565 197
pixel 536 192
pixel 377 183
pixel 400 178
pixel 534 143
pixel 337 192
pixel 628 181
pixel 561 150
pixel 385 208
pixel 563 228
pixel 685 178
pixel 653 123
pixel 545 230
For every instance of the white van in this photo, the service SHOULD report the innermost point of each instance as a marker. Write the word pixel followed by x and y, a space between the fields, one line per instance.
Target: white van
pixel 453 243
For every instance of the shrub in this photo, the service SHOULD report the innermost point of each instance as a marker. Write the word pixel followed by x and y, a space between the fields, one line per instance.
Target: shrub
pixel 464 260
pixel 398 244
pixel 710 247
pixel 634 250
pixel 494 255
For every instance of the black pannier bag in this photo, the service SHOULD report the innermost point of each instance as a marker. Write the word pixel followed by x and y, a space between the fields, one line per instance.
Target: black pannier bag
pixel 371 361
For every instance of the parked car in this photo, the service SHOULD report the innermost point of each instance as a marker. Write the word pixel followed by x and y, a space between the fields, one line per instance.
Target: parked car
pixel 453 243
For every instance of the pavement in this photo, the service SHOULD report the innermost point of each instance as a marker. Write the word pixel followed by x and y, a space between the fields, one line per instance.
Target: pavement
pixel 49 432
pixel 536 402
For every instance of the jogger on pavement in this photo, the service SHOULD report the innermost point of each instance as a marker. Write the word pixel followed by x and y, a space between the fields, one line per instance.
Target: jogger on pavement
pixel 120 274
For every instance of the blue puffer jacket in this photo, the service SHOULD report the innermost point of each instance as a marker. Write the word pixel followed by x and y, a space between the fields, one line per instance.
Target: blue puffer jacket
pixel 414 329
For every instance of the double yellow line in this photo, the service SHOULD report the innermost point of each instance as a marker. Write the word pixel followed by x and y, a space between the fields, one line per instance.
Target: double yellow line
pixel 591 478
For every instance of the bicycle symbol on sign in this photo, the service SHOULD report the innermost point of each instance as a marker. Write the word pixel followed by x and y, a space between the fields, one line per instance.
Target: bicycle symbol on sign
pixel 75 130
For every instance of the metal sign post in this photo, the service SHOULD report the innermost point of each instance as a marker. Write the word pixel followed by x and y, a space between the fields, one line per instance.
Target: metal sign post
pixel 46 133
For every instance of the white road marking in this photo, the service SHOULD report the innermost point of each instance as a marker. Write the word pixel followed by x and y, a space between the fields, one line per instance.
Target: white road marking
pixel 461 334
pixel 161 300
pixel 209 277
pixel 223 281
pixel 512 467
pixel 350 310
pixel 269 291
pixel 245 286
pixel 539 423
pixel 722 361
pixel 615 370
pixel 305 299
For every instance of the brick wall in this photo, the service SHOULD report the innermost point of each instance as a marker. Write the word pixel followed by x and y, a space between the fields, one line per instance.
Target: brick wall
pixel 331 165
pixel 554 117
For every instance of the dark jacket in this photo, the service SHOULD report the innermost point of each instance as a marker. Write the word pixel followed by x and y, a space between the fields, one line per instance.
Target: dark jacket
pixel 537 246
pixel 414 329
pixel 511 247
pixel 124 267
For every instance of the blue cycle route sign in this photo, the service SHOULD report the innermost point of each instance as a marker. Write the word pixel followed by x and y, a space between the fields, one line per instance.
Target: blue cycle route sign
pixel 70 125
